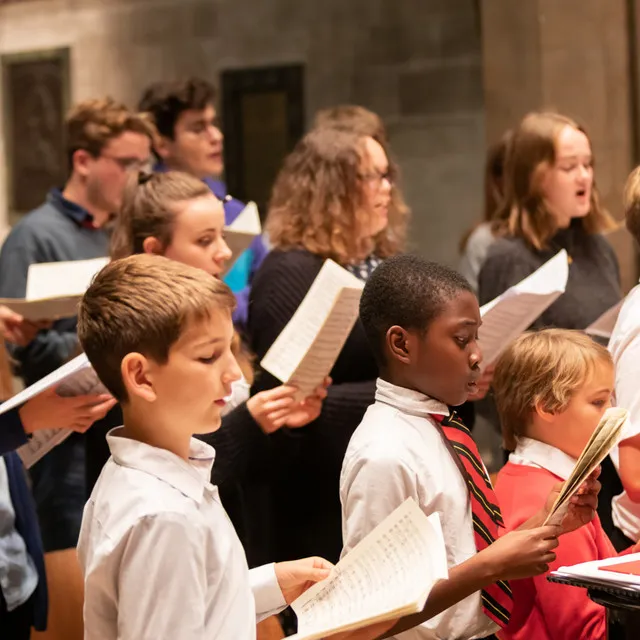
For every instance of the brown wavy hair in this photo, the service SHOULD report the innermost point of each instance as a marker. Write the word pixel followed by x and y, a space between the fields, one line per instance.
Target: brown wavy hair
pixel 365 122
pixel 523 212
pixel 317 201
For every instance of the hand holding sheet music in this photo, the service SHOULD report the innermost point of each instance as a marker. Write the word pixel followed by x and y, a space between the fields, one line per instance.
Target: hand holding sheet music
pixel 308 347
pixel 603 439
pixel 54 289
pixel 511 313
pixel 388 575
pixel 75 378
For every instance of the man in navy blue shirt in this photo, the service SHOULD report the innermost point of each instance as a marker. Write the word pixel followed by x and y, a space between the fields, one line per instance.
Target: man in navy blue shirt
pixel 190 140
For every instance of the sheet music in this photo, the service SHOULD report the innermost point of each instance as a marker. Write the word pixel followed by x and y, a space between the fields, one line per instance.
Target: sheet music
pixel 241 232
pixel 54 289
pixel 47 280
pixel 604 438
pixel 387 575
pixel 603 326
pixel 306 350
pixel 74 378
pixel 508 315
pixel 593 570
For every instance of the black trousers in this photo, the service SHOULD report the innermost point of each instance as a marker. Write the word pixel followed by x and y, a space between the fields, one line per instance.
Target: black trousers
pixel 16 624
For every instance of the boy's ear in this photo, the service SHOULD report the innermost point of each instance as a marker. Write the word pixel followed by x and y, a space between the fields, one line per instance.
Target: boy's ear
pixel 542 412
pixel 152 245
pixel 137 375
pixel 399 344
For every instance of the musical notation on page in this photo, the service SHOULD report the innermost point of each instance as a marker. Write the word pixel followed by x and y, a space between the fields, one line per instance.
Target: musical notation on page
pixel 389 574
pixel 74 378
pixel 307 348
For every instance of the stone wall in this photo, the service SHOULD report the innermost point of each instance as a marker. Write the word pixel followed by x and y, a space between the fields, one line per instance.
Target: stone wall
pixel 416 62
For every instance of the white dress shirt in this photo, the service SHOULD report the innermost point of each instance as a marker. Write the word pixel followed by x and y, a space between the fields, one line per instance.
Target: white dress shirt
pixel 533 453
pixel 160 558
pixel 397 453
pixel 624 346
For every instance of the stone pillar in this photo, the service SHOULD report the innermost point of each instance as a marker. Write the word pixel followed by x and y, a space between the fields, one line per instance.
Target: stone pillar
pixel 575 57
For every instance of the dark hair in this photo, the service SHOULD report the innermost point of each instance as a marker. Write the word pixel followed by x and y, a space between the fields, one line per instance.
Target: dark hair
pixel 165 101
pixel 407 291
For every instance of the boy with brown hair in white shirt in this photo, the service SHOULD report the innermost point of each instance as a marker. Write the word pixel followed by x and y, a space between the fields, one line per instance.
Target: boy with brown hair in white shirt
pixel 160 558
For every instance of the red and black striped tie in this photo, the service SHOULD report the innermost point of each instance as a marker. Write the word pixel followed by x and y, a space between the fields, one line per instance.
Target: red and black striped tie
pixel 497 598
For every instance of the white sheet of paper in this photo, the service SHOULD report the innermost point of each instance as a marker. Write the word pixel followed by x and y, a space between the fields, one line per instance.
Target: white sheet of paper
pixel 62 279
pixel 241 232
pixel 592 571
pixel 387 575
pixel 74 378
pixel 605 436
pixel 48 309
pixel 508 315
pixel 54 289
pixel 308 347
pixel 603 326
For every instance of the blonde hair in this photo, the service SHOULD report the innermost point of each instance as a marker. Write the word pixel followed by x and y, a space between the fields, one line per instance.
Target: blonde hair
pixel 317 201
pixel 631 202
pixel 92 123
pixel 149 208
pixel 523 212
pixel 542 368
pixel 143 304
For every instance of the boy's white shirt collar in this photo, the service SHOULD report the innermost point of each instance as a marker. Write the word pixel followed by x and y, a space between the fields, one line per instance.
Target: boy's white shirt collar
pixel 533 453
pixel 409 401
pixel 190 477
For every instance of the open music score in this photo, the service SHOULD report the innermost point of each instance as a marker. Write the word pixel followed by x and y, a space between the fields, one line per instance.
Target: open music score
pixel 74 378
pixel 54 289
pixel 603 439
pixel 308 347
pixel 388 575
pixel 508 315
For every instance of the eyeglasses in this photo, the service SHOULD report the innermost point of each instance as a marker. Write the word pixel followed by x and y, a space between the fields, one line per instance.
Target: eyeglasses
pixel 375 178
pixel 131 164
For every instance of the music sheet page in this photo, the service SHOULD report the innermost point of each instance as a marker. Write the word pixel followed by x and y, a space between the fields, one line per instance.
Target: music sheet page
pixel 306 350
pixel 387 575
pixel 241 232
pixel 74 378
pixel 506 317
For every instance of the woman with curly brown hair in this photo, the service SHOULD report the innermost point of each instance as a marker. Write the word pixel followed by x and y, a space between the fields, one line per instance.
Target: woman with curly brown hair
pixel 332 199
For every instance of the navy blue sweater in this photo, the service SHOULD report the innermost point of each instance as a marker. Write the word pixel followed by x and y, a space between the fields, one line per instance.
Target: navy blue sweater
pixel 12 436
